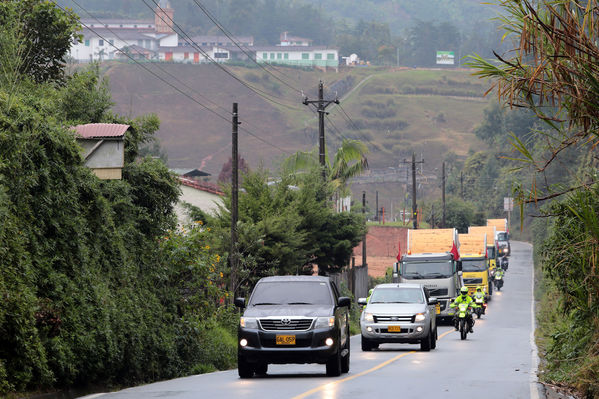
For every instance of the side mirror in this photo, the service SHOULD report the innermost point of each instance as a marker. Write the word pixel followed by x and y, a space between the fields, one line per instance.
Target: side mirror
pixel 396 269
pixel 344 301
pixel 239 302
pixel 433 301
pixel 362 301
pixel 459 265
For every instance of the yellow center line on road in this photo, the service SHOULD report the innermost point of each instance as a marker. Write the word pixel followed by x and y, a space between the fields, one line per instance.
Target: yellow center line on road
pixel 379 366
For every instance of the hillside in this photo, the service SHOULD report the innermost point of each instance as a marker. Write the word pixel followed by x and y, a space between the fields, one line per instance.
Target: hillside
pixel 431 112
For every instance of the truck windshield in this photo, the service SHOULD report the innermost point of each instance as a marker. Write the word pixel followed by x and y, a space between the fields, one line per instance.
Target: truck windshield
pixel 397 295
pixel 426 270
pixel 502 236
pixel 477 265
pixel 291 293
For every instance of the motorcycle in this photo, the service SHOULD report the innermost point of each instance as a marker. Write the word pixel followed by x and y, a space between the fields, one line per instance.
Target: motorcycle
pixel 482 307
pixel 462 317
pixel 504 263
pixel 498 280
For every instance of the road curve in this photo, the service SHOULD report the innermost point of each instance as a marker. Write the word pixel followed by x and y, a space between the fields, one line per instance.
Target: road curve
pixel 497 361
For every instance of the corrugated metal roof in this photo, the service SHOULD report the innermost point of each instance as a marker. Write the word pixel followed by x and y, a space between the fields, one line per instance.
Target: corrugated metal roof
pixel 99 130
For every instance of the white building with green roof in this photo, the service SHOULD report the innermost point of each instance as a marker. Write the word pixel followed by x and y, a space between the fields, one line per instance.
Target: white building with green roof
pixel 305 56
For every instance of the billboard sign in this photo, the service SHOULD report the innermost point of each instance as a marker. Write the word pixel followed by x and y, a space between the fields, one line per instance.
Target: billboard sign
pixel 445 57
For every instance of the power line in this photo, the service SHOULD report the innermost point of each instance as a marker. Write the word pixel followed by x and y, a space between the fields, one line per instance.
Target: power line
pixel 235 42
pixel 156 65
pixel 168 83
pixel 190 41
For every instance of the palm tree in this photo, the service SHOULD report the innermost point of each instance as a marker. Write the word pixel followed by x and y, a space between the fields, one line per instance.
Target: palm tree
pixel 349 161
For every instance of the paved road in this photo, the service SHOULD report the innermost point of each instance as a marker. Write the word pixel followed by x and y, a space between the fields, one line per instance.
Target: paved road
pixel 497 361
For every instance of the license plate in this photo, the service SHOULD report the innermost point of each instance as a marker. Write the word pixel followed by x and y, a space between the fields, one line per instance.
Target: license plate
pixel 438 308
pixel 285 339
pixel 394 328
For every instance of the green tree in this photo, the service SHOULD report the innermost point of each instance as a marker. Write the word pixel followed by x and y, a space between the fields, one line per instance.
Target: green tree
pixel 47 34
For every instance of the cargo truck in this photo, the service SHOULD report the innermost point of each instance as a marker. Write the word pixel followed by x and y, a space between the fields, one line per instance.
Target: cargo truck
pixel 475 265
pixel 502 239
pixel 491 248
pixel 432 259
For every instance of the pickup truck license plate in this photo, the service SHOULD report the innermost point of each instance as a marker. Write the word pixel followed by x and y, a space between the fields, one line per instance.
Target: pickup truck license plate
pixel 438 308
pixel 285 339
pixel 394 328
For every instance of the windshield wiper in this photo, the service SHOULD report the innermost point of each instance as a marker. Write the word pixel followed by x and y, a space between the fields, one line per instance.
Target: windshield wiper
pixel 299 303
pixel 265 303
pixel 414 275
pixel 435 274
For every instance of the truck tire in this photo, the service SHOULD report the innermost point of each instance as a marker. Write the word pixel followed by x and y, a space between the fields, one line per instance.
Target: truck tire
pixel 345 359
pixel 261 368
pixel 245 369
pixel 425 343
pixel 366 345
pixel 334 365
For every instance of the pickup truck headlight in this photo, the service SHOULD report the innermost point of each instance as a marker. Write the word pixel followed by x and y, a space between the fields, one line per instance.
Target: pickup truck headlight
pixel 419 317
pixel 324 322
pixel 368 317
pixel 248 322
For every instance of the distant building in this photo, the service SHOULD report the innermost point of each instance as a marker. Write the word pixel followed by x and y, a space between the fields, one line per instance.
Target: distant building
pixel 103 148
pixel 287 40
pixel 204 195
pixel 138 38
pixel 297 51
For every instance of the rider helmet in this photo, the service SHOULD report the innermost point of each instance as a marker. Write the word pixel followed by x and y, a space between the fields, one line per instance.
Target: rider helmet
pixel 479 289
pixel 464 290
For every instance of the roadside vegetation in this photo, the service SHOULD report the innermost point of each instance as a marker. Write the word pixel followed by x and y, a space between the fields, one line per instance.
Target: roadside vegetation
pixel 99 284
pixel 553 74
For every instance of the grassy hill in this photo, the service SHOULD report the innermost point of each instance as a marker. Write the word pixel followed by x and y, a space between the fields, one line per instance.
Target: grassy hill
pixel 395 111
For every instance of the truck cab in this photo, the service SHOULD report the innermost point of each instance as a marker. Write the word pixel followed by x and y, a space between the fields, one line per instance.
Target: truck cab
pixel 440 273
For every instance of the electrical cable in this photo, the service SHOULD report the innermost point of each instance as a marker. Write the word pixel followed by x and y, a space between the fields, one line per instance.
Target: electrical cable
pixel 168 83
pixel 190 41
pixel 235 42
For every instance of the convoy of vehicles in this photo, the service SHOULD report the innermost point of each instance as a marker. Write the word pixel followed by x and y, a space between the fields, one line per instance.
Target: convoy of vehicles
pixel 303 319
pixel 475 265
pixel 399 313
pixel 432 259
pixel 293 319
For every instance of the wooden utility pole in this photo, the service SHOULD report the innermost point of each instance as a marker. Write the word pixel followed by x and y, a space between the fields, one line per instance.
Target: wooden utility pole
pixel 443 196
pixel 377 206
pixel 234 200
pixel 462 185
pixel 321 104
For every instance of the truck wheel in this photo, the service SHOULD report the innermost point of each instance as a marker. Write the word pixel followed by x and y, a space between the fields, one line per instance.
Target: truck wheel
pixel 366 345
pixel 261 368
pixel 490 289
pixel 425 343
pixel 334 365
pixel 245 369
pixel 345 359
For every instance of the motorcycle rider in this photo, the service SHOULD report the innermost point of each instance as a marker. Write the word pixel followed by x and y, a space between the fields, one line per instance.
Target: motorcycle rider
pixel 499 273
pixel 479 294
pixel 464 298
pixel 368 297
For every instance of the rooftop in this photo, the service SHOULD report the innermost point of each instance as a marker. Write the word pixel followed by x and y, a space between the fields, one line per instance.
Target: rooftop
pixel 100 130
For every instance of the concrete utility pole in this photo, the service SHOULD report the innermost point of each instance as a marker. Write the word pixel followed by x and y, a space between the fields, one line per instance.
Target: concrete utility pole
pixel 443 196
pixel 414 205
pixel 321 104
pixel 234 200
pixel 364 264
pixel 376 218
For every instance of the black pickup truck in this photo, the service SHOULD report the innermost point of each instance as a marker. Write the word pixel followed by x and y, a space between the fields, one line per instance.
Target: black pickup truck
pixel 293 319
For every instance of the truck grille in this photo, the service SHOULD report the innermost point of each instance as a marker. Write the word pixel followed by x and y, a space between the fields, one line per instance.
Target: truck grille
pixel 436 292
pixel 471 281
pixel 285 324
pixel 387 319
